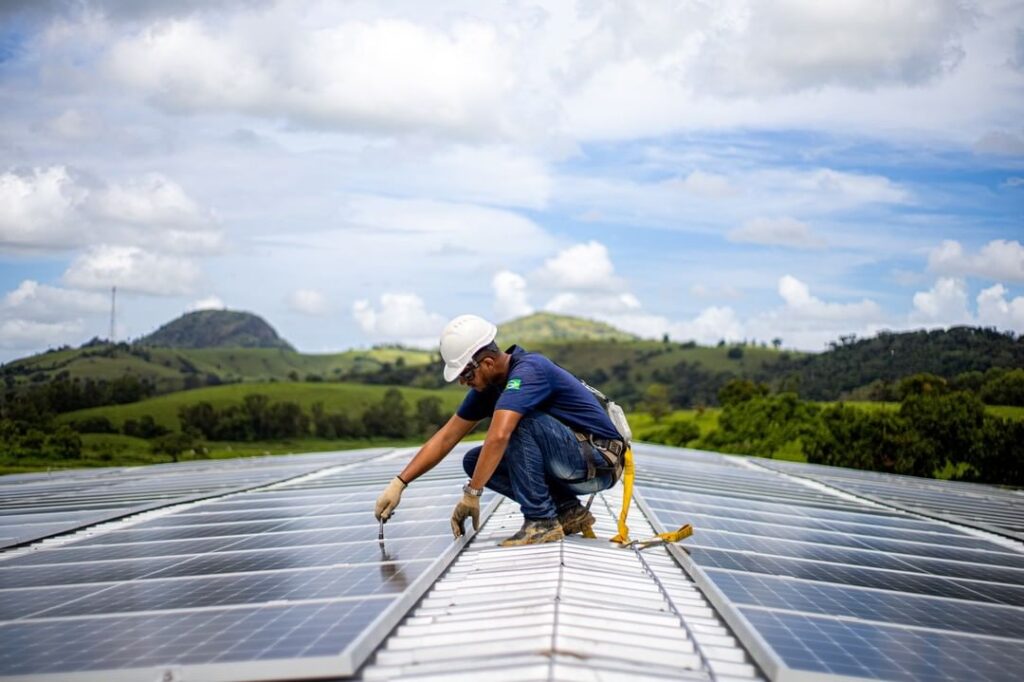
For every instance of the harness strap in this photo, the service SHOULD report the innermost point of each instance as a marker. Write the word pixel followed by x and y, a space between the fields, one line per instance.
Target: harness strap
pixel 627 497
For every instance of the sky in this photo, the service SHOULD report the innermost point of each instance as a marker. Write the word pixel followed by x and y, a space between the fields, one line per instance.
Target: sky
pixel 358 173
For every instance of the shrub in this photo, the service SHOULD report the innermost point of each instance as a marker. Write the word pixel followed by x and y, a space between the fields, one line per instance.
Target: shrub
pixel 1006 389
pixel 97 424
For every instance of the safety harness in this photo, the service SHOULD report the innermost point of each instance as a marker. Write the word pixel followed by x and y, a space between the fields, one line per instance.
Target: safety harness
pixel 619 455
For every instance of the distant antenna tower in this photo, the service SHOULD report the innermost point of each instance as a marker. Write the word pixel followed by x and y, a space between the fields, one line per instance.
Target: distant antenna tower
pixel 113 310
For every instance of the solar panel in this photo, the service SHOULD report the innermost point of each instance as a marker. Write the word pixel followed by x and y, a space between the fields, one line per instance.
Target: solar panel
pixel 36 507
pixel 986 507
pixel 819 584
pixel 289 581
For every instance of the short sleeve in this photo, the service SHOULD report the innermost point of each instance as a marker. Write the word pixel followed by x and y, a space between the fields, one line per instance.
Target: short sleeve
pixel 527 388
pixel 477 405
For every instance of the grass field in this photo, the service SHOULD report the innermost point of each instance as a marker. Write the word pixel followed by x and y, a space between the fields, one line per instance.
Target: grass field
pixel 336 397
pixel 105 450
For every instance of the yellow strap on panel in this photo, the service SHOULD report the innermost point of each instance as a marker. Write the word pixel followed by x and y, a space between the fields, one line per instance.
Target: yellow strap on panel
pixel 677 535
pixel 627 497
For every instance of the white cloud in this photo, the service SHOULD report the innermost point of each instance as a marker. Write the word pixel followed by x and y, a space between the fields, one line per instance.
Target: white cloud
pixel 399 317
pixel 1000 143
pixel 56 209
pixel 778 232
pixel 585 267
pixel 800 44
pixel 510 297
pixel 308 302
pixel 592 304
pixel 208 303
pixel 72 125
pixel 994 310
pixel 1000 259
pixel 36 302
pixel 422 228
pixel 17 334
pixel 132 269
pixel 943 305
pixel 383 75
pixel 36 208
pixel 855 188
pixel 801 304
pixel 702 184
pixel 711 325
pixel 1013 181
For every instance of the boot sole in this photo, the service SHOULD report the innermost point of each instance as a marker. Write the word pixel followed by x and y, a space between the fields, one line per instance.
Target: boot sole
pixel 550 536
pixel 579 525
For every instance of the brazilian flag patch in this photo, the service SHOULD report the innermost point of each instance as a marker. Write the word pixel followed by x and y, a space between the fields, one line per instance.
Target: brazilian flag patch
pixel 513 384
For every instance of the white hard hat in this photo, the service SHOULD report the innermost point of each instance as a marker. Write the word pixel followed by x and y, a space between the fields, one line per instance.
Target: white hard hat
pixel 461 338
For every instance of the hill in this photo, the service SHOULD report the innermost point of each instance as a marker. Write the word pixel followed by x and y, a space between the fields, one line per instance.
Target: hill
pixel 216 329
pixel 547 327
pixel 865 368
pixel 174 369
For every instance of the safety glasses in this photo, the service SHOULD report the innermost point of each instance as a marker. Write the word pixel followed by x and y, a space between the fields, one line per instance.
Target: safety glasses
pixel 467 374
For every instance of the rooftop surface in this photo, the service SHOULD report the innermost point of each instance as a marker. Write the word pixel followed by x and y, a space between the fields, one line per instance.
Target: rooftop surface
pixel 270 568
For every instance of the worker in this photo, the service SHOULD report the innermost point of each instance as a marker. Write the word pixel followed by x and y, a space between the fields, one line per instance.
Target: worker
pixel 549 439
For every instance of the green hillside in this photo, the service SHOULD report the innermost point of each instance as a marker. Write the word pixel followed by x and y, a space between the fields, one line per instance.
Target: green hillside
pixel 216 329
pixel 547 327
pixel 336 397
pixel 174 369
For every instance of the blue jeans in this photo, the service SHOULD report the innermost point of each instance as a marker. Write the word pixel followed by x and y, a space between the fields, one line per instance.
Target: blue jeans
pixel 541 459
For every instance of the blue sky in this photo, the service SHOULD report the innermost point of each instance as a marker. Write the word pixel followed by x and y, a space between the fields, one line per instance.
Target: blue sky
pixel 359 174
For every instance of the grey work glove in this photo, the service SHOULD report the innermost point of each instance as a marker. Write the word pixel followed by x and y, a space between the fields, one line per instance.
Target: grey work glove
pixel 389 499
pixel 468 506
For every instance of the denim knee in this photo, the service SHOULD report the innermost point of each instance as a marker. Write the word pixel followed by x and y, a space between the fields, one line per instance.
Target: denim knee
pixel 469 461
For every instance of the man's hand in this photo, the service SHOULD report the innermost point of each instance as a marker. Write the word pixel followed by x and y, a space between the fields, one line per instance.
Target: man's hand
pixel 389 499
pixel 469 506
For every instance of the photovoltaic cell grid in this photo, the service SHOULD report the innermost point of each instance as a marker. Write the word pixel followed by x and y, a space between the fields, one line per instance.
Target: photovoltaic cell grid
pixel 987 507
pixel 34 506
pixel 286 581
pixel 819 584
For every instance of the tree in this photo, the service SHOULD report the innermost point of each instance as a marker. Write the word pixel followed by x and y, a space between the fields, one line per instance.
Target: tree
pixel 429 417
pixel 174 444
pixel 388 417
pixel 740 390
pixel 776 343
pixel 656 401
pixel 284 419
pixel 200 416
pixel 1005 389
pixel 63 443
pixel 922 383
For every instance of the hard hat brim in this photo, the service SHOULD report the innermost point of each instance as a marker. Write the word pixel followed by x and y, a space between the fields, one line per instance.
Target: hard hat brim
pixel 451 373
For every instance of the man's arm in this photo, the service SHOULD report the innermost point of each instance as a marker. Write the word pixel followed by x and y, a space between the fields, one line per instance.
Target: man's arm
pixel 503 423
pixel 432 452
pixel 439 445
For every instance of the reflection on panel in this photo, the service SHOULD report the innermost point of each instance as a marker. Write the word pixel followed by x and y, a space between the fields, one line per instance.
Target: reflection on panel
pixel 837 585
pixel 290 577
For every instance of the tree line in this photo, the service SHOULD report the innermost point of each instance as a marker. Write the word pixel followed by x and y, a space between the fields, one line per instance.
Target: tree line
pixel 937 429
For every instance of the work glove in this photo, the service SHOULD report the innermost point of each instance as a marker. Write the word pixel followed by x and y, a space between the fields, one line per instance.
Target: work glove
pixel 389 499
pixel 468 506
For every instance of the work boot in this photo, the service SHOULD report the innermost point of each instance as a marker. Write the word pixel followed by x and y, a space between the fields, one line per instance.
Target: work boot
pixel 575 519
pixel 534 532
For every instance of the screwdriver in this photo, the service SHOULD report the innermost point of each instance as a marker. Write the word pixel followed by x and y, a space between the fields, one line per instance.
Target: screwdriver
pixel 380 534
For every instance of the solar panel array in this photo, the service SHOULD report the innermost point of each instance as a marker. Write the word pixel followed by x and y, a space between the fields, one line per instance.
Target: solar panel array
pixel 35 506
pixel 279 583
pixel 818 583
pixel 997 510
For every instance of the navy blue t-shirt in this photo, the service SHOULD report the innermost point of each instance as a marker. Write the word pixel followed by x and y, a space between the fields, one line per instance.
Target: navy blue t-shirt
pixel 536 384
